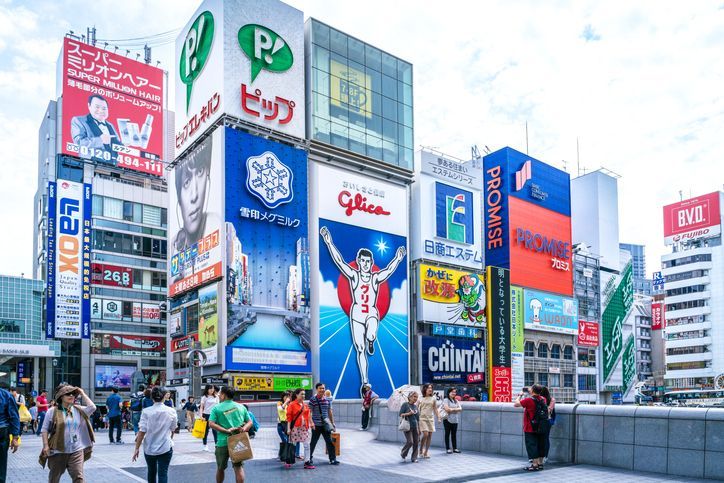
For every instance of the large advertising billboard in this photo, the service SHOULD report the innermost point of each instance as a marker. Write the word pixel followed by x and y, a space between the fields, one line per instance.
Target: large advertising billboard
pixel 68 309
pixel 629 363
pixel 446 360
pixel 550 313
pixel 499 334
pixel 657 316
pixel 361 281
pixel 113 108
pixel 128 345
pixel 242 58
pixel 195 216
pixel 450 296
pixel 694 218
pixel 113 275
pixel 588 334
pixel 209 322
pixel 619 304
pixel 267 256
pixel 517 339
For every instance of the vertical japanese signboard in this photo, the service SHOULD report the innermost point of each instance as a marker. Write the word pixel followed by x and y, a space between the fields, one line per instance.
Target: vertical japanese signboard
pixel 69 272
pixel 499 334
pixel 112 108
pixel 517 338
pixel 614 314
pixel 629 363
pixel 657 316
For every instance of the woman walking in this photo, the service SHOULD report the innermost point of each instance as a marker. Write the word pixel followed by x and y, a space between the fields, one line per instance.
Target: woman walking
pixel 409 411
pixel 299 423
pixel 208 401
pixel 67 434
pixel 450 415
pixel 428 414
pixel 282 429
pixel 551 403
pixel 155 430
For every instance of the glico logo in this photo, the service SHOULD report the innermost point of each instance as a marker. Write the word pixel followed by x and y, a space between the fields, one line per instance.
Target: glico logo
pixel 542 244
pixel 454 213
pixel 69 229
pixel 358 203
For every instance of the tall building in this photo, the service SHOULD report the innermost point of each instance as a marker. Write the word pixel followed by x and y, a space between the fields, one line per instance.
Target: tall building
pixel 694 292
pixel 586 289
pixel 642 285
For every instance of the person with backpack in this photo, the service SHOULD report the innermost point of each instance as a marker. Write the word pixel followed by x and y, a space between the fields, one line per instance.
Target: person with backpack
pixel 137 407
pixel 551 402
pixel 536 425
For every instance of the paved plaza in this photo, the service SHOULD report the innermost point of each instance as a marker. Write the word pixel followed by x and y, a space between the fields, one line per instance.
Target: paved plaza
pixel 363 459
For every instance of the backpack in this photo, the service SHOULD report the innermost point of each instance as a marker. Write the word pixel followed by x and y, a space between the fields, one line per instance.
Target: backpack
pixel 540 422
pixel 136 403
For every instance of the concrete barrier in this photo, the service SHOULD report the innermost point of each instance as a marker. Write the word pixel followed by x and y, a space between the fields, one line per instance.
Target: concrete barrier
pixel 686 442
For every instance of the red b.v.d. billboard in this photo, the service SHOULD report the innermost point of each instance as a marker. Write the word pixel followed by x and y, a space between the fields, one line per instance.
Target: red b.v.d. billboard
pixel 698 217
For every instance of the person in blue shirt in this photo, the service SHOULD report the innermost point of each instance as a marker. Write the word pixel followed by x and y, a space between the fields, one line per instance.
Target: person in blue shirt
pixel 9 427
pixel 113 403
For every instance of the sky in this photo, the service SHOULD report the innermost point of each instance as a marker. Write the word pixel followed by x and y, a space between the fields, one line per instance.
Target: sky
pixel 640 85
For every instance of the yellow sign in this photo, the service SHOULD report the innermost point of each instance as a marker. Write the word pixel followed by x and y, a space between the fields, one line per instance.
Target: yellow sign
pixel 253 383
pixel 350 88
pixel 438 284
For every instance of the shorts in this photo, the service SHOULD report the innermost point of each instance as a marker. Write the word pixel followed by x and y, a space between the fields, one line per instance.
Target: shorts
pixel 222 458
pixel 534 445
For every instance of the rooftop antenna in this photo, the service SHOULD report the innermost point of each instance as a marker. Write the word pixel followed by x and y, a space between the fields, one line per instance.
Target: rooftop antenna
pixel 115 49
pixel 526 137
pixel 147 54
pixel 681 196
pixel 138 54
pixel 475 152
pixel 578 157
pixel 487 149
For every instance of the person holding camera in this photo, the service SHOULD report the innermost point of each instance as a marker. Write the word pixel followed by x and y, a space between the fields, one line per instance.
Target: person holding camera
pixel 536 425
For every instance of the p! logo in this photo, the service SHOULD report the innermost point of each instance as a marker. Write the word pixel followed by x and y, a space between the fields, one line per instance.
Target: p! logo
pixel 265 49
pixel 195 51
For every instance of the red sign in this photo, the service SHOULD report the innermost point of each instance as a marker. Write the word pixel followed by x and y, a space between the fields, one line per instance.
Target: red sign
pixel 104 274
pixel 657 316
pixel 207 274
pixel 540 248
pixel 183 343
pixel 501 384
pixel 137 343
pixel 358 203
pixel 476 378
pixel 112 109
pixel 695 218
pixel 588 334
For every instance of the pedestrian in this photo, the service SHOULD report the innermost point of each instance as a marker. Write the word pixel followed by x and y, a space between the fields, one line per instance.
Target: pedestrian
pixel 137 407
pixel 409 411
pixel 535 425
pixel 323 424
pixel 97 420
pixel 450 415
pixel 147 402
pixel 208 401
pixel 42 402
pixel 428 415
pixel 551 403
pixel 368 398
pixel 254 423
pixel 33 417
pixel 228 417
pixel 155 430
pixel 167 399
pixel 113 403
pixel 9 430
pixel 298 424
pixel 67 434
pixel 191 408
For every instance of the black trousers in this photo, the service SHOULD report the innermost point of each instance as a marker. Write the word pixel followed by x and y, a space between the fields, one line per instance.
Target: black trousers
pixel 4 447
pixel 451 431
pixel 316 433
pixel 366 413
pixel 536 445
pixel 114 421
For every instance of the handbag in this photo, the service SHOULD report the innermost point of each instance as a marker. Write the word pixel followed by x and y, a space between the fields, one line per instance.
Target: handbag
pixel 328 426
pixel 404 424
pixel 199 428
pixel 239 446
pixel 289 449
pixel 442 414
pixel 24 414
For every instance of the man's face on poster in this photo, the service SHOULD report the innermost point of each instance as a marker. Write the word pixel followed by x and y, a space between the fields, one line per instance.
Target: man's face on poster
pixel 364 262
pixel 98 109
pixel 192 198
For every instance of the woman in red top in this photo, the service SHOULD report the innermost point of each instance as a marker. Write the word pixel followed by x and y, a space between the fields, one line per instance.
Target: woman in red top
pixel 534 441
pixel 299 422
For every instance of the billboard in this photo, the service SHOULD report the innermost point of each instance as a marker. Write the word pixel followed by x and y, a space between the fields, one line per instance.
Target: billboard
pixel 209 322
pixel 698 217
pixel 242 58
pixel 68 310
pixel 588 334
pixel 499 334
pixel 113 109
pixel 115 276
pixel 446 360
pixel 550 313
pixel 657 316
pixel 468 174
pixel 268 324
pixel 108 376
pixel 128 345
pixel 195 216
pixel 629 363
pixel 517 339
pixel 450 296
pixel 361 281
pixel 620 301
pixel 183 343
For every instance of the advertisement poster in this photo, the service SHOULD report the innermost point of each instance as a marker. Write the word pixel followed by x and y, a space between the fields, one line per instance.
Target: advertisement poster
pixel 176 327
pixel 104 274
pixel 112 309
pixel 68 305
pixel 362 282
pixel 517 338
pixel 451 296
pixel 254 383
pixel 183 343
pixel 268 323
pixel 615 312
pixel 698 217
pixel 446 360
pixel 108 376
pixel 209 322
pixel 112 108
pixel 629 363
pixel 550 313
pixel 195 217
pixel 588 334
pixel 499 334
pixel 128 345
pixel 291 383
pixel 657 316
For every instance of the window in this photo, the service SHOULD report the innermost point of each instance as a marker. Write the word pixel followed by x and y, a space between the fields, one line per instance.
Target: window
pixel 586 382
pixel 97 205
pixel 151 215
pixel 128 210
pixel 543 350
pixel 529 378
pixel 554 380
pixel 529 349
pixel 567 380
pixel 543 378
pixel 70 169
pixel 192 319
pixel 555 351
pixel 568 353
pixel 112 208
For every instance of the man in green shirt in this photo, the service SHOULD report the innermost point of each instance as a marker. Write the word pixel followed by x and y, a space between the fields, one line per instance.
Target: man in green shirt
pixel 227 418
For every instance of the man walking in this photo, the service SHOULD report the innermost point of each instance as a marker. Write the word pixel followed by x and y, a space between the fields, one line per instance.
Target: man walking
pixel 191 409
pixel 42 402
pixel 323 423
pixel 113 403
pixel 9 430
pixel 368 398
pixel 227 418
pixel 137 407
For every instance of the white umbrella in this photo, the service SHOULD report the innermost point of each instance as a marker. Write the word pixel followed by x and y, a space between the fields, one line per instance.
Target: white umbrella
pixel 399 396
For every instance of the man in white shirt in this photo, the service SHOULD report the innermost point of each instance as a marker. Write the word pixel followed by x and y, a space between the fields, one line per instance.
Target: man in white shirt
pixel 155 431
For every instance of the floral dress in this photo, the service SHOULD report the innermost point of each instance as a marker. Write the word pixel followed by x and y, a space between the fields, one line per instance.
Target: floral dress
pixel 300 432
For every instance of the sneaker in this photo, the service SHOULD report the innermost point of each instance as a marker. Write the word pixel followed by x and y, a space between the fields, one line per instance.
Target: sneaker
pixel 456 451
pixel 449 451
pixel 120 442
pixel 206 447
pixel 309 466
pixel 334 462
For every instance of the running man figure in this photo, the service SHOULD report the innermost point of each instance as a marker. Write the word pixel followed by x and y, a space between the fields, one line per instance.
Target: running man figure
pixel 364 318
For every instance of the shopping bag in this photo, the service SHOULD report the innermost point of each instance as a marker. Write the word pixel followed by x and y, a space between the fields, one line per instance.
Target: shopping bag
pixel 24 414
pixel 289 453
pixel 199 428
pixel 336 442
pixel 239 447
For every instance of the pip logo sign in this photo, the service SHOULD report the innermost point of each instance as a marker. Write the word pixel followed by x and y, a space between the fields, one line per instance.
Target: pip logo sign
pixel 454 213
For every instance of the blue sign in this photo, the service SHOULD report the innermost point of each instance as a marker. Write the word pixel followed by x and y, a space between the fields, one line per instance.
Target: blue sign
pixel 659 279
pixel 453 360
pixel 454 215
pixel 496 235
pixel 267 256
pixel 549 312
pixel 456 331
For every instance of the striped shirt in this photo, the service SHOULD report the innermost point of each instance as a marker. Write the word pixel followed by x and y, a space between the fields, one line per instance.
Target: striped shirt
pixel 320 409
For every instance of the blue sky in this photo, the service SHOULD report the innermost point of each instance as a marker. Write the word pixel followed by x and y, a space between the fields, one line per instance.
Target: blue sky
pixel 639 83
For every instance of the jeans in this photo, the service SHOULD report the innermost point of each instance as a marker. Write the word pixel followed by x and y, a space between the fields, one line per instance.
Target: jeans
pixel 158 463
pixel 4 447
pixel 316 433
pixel 451 429
pixel 413 442
pixel 206 434
pixel 41 418
pixel 114 421
pixel 366 413
pixel 135 419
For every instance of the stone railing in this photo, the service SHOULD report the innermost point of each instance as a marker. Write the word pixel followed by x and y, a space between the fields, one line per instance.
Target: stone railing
pixel 685 442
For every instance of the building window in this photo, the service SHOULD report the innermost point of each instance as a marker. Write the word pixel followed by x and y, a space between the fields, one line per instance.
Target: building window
pixel 554 380
pixel 567 380
pixel 529 349
pixel 543 350
pixel 529 378
pixel 555 351
pixel 568 353
pixel 586 382
pixel 543 378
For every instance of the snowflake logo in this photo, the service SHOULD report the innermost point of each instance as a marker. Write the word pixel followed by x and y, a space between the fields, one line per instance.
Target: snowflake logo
pixel 269 179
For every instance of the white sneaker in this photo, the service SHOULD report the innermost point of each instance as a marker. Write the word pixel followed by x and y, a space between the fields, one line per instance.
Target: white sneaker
pixel 206 448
